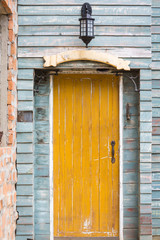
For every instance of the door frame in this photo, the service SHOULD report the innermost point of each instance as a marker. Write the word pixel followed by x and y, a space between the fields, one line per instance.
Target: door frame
pixel 120 156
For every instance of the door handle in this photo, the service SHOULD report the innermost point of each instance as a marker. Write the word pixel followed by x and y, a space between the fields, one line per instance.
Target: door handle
pixel 113 158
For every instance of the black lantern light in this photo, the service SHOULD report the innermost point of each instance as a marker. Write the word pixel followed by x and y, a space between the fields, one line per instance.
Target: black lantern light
pixel 86 24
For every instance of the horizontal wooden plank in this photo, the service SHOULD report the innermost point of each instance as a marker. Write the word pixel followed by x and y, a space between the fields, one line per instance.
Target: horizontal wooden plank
pixel 41 171
pixel 156 223
pixel 24 137
pixel 42 159
pixel 130 234
pixel 24 148
pixel 25 211
pixel 123 52
pixel 146 116
pixel 145 178
pixel 25 105
pixel 145 85
pixel 25 74
pixel 24 229
pixel 146 106
pixel 155 46
pixel 42 137
pixel 25 85
pixel 42 229
pixel 146 127
pixel 75 10
pixel 155 93
pixel 145 137
pixel 22 237
pixel 130 133
pixel 155 20
pixel 25 95
pixel 156 112
pixel 24 127
pixel 130 212
pixel 156 158
pixel 156 213
pixel 156 56
pixel 42 205
pixel 156 122
pixel 80 2
pixel 131 144
pixel 145 95
pixel 155 204
pixel 156 139
pixel 25 191
pixel 145 198
pixel 25 221
pixel 25 168
pixel 131 177
pixel 42 217
pixel 55 30
pixel 146 157
pixel 130 222
pixel 156 130
pixel 130 155
pixel 41 194
pixel 155 74
pixel 156 84
pixel 145 188
pixel 145 74
pixel 25 179
pixel 156 231
pixel 155 3
pixel 59 41
pixel 41 182
pixel 156 176
pixel 24 201
pixel 129 166
pixel 43 237
pixel 156 11
pixel 156 194
pixel 25 158
pixel 42 113
pixel 73 20
pixel 131 188
pixel 41 101
pixel 155 29
pixel 155 65
pixel 130 200
pixel 145 167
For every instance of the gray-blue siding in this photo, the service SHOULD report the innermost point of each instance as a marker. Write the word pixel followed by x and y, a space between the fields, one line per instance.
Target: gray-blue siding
pixel 156 117
pixel 123 27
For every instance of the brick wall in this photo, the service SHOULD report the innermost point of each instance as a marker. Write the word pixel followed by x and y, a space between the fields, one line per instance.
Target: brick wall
pixel 8 173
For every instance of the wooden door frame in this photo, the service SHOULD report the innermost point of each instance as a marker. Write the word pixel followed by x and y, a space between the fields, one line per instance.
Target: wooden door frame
pixel 120 157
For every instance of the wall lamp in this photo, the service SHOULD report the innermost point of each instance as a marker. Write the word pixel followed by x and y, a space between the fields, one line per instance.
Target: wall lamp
pixel 86 24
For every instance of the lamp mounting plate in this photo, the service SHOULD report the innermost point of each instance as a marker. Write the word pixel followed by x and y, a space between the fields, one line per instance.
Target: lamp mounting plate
pixel 86 9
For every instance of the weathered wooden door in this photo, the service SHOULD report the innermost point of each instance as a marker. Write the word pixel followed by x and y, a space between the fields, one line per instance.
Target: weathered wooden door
pixel 86 182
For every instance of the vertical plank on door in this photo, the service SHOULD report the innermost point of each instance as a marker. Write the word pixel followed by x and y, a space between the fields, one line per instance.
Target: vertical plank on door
pixel 86 156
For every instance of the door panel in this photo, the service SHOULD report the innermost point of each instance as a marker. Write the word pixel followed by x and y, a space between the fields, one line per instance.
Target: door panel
pixel 86 183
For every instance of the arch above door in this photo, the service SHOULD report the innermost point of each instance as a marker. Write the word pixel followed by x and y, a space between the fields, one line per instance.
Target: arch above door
pixel 89 55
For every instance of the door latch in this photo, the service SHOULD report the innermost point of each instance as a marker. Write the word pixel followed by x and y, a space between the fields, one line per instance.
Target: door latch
pixel 113 158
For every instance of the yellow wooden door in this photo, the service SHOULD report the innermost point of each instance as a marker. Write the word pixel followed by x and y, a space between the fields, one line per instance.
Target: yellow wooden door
pixel 86 182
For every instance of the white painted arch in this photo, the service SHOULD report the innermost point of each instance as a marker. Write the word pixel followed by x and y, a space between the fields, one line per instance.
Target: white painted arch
pixel 89 55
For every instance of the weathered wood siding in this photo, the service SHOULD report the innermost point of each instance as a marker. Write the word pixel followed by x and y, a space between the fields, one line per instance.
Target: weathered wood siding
pixel 122 27
pixel 130 159
pixel 156 118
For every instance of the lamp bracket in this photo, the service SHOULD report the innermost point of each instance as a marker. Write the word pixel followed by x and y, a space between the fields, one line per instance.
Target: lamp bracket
pixel 133 78
pixel 86 9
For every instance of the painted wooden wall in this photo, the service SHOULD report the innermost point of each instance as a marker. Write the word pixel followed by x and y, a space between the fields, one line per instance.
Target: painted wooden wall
pixel 122 27
pixel 156 118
